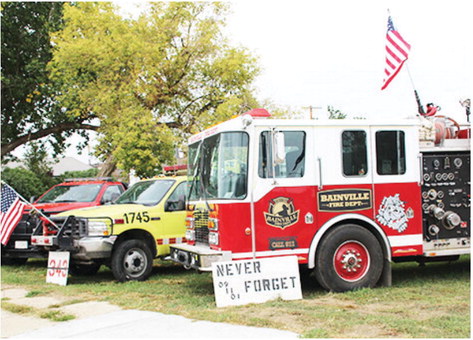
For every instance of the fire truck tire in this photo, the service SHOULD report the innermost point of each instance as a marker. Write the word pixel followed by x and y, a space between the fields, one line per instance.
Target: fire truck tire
pixel 132 260
pixel 349 257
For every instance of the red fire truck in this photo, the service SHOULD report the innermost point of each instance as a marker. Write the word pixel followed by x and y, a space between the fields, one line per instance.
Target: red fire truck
pixel 347 197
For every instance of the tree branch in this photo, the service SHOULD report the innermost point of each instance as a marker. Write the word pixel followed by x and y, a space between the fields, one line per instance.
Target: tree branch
pixel 9 147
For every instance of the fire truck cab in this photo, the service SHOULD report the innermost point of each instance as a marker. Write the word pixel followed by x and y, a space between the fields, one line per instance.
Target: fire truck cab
pixel 347 197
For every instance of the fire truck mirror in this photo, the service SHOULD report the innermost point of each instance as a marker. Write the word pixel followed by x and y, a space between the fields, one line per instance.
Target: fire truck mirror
pixel 279 147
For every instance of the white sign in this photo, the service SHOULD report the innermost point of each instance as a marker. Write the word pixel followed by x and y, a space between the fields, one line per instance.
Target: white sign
pixel 256 281
pixel 58 267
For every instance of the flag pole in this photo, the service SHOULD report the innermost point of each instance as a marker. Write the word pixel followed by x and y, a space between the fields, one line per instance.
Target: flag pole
pixel 400 48
pixel 31 205
pixel 420 109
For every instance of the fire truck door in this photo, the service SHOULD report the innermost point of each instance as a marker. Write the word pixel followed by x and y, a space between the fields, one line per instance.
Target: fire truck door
pixel 396 179
pixel 283 192
pixel 344 172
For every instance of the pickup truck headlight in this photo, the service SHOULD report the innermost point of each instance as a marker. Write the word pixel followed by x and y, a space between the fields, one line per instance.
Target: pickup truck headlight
pixel 98 228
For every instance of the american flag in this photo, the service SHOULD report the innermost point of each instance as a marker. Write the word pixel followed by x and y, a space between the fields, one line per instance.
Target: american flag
pixel 397 51
pixel 11 212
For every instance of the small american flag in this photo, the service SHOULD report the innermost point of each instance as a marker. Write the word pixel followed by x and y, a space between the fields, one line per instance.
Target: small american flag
pixel 11 212
pixel 397 51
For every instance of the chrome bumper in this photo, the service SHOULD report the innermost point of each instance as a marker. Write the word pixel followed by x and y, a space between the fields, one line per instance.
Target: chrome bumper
pixel 84 249
pixel 90 248
pixel 198 257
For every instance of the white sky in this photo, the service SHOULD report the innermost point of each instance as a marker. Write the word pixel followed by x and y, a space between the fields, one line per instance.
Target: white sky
pixel 320 52
pixel 324 53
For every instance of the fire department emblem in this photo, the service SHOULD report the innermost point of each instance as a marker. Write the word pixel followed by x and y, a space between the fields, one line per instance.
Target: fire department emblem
pixel 281 213
pixel 393 214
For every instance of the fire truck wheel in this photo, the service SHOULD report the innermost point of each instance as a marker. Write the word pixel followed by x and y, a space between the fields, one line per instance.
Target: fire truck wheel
pixel 349 257
pixel 132 261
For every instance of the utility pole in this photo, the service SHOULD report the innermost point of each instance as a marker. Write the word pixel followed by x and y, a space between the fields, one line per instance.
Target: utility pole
pixel 310 110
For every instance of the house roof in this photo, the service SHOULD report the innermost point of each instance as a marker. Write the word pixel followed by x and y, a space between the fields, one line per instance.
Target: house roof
pixel 59 165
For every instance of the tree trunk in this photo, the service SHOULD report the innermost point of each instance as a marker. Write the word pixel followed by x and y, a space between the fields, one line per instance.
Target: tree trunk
pixel 108 167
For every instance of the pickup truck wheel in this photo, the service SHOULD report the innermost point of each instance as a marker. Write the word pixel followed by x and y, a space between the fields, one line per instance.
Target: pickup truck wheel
pixel 14 261
pixel 132 261
pixel 84 269
pixel 349 257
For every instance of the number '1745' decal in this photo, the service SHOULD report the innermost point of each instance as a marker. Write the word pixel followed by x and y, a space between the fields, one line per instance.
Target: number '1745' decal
pixel 139 216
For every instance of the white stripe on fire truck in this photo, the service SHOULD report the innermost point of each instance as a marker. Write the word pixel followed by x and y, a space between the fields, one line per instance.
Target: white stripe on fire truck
pixel 301 251
pixel 405 240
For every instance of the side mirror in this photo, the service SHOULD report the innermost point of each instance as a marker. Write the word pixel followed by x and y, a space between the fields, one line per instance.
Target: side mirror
pixel 110 198
pixel 175 205
pixel 279 148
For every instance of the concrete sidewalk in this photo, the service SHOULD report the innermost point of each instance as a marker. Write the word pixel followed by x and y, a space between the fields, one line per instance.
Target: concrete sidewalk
pixel 139 324
pixel 103 320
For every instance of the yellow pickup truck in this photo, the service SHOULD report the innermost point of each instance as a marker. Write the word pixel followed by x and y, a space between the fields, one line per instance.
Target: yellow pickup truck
pixel 126 235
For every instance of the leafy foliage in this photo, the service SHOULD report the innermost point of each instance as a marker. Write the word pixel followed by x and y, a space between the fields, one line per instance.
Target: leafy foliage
pixel 335 114
pixel 151 81
pixel 78 174
pixel 24 181
pixel 29 110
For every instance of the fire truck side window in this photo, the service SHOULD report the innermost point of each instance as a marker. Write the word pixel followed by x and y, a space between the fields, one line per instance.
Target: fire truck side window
pixel 390 153
pixel 293 165
pixel 354 153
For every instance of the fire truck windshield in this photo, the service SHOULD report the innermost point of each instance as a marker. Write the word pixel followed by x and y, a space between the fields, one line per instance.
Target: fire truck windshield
pixel 218 166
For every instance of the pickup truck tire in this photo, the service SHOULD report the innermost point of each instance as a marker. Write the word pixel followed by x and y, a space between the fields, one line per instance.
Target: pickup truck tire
pixel 349 257
pixel 132 260
pixel 14 261
pixel 84 269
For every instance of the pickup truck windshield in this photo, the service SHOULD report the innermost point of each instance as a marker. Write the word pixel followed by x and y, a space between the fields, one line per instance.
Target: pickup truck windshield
pixel 71 193
pixel 146 192
pixel 219 167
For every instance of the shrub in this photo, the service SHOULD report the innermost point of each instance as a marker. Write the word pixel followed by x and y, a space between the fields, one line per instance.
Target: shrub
pixel 25 182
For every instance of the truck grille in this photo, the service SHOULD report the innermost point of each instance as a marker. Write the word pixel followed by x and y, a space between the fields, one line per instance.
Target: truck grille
pixel 71 227
pixel 26 225
pixel 201 226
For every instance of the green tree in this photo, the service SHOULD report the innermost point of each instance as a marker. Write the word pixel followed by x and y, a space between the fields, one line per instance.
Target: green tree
pixel 335 114
pixel 29 111
pixel 78 174
pixel 24 181
pixel 151 81
pixel 35 160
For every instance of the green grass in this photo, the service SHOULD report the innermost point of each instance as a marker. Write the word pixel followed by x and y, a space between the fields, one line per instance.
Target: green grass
pixel 52 315
pixel 33 293
pixel 19 309
pixel 424 302
pixel 55 315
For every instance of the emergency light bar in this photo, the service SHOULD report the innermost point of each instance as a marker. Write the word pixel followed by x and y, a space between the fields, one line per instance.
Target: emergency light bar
pixel 175 167
pixel 258 113
pixel 89 179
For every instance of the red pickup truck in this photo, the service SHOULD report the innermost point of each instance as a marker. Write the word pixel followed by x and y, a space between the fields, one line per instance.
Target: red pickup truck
pixel 71 194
